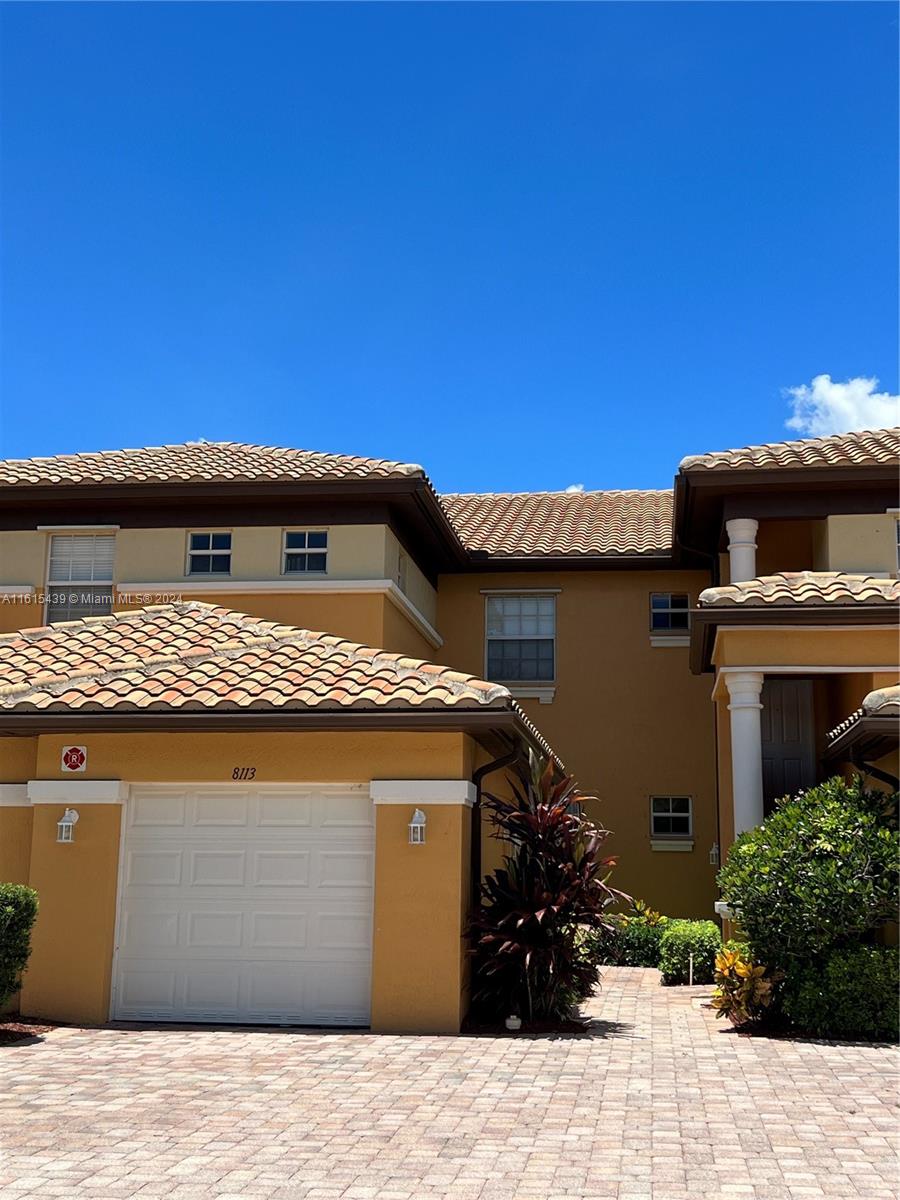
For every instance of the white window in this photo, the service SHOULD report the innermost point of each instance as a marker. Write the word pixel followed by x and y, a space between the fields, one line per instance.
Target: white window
pixel 209 554
pixel 670 816
pixel 669 612
pixel 521 638
pixel 305 551
pixel 79 577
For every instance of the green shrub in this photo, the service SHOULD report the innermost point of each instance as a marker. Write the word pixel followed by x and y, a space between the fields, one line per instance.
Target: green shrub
pixel 819 873
pixel 854 994
pixel 681 940
pixel 631 939
pixel 18 909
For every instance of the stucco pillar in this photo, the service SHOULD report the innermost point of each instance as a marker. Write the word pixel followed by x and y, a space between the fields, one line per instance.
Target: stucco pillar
pixel 742 548
pixel 422 896
pixel 745 707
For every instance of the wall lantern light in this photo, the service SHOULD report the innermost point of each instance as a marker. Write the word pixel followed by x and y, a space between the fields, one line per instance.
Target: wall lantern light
pixel 65 829
pixel 417 828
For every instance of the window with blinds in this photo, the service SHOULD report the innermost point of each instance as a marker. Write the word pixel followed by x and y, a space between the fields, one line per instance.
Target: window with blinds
pixel 521 638
pixel 80 575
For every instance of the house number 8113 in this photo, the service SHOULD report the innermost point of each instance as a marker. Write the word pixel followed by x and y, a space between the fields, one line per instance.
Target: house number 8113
pixel 244 773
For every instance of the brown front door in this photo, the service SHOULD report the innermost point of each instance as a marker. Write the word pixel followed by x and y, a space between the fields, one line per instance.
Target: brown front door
pixel 788 738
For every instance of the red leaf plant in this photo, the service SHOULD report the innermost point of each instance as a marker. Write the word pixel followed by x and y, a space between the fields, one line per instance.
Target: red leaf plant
pixel 531 956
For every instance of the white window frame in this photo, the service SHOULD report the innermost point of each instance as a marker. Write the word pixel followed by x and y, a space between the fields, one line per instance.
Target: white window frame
pixel 191 553
pixel 306 530
pixel 657 836
pixel 520 686
pixel 70 585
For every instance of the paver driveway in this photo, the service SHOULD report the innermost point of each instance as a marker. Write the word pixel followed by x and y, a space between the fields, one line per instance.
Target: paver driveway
pixel 662 1102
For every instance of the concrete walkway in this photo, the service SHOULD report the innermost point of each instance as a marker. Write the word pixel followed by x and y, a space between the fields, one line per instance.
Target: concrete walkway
pixel 659 1102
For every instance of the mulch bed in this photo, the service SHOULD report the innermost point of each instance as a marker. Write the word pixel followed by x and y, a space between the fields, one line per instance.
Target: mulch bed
pixel 14 1030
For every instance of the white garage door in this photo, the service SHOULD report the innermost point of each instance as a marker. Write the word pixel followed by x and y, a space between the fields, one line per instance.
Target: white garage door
pixel 246 905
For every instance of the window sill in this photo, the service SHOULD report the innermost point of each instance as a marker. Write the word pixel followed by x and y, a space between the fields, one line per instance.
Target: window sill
pixel 544 693
pixel 668 639
pixel 680 845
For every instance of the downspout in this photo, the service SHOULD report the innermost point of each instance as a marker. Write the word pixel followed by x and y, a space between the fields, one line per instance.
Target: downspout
pixel 505 760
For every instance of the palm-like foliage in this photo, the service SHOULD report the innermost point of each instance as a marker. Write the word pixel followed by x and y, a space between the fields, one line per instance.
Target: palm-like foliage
pixel 530 954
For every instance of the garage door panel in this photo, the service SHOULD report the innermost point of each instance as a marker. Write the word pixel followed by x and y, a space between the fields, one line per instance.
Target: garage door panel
pixel 257 907
pixel 214 930
pixel 148 810
pixel 220 810
pixel 281 868
pixel 278 931
pixel 343 869
pixel 217 868
pixel 153 868
pixel 277 811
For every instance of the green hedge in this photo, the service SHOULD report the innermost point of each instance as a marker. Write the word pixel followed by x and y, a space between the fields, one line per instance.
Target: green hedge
pixel 680 940
pixel 630 944
pixel 18 909
pixel 854 994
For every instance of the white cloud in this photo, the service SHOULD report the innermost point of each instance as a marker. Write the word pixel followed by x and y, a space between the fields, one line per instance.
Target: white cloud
pixel 575 487
pixel 824 407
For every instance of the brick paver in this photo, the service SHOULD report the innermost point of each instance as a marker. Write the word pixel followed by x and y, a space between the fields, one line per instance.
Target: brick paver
pixel 661 1102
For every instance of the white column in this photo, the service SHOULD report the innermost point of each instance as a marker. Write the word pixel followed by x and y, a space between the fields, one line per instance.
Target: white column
pixel 742 548
pixel 744 690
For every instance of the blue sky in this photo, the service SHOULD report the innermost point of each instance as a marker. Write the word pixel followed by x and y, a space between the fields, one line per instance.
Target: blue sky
pixel 525 245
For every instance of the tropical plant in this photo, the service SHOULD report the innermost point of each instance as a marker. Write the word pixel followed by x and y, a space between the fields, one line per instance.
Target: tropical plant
pixel 852 994
pixel 687 951
pixel 744 989
pixel 819 873
pixel 18 909
pixel 530 956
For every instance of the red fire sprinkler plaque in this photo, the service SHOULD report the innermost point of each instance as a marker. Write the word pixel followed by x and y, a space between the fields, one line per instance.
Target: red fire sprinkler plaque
pixel 74 758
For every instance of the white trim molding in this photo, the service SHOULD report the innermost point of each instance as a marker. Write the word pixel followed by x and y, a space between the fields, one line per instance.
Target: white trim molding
pixel 78 791
pixel 663 639
pixel 423 791
pixel 520 591
pixel 76 528
pixel 16 589
pixel 523 691
pixel 13 795
pixel 685 845
pixel 197 585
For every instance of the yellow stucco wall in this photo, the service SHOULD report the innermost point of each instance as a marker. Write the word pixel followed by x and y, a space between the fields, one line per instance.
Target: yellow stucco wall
pixel 862 543
pixel 355 552
pixel 15 843
pixel 810 647
pixel 419 964
pixel 277 757
pixel 68 974
pixel 628 719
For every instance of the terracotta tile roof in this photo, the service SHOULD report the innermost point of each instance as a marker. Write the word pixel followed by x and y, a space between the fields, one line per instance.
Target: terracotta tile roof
pixel 805 589
pixel 200 462
pixel 198 657
pixel 565 524
pixel 884 704
pixel 870 448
